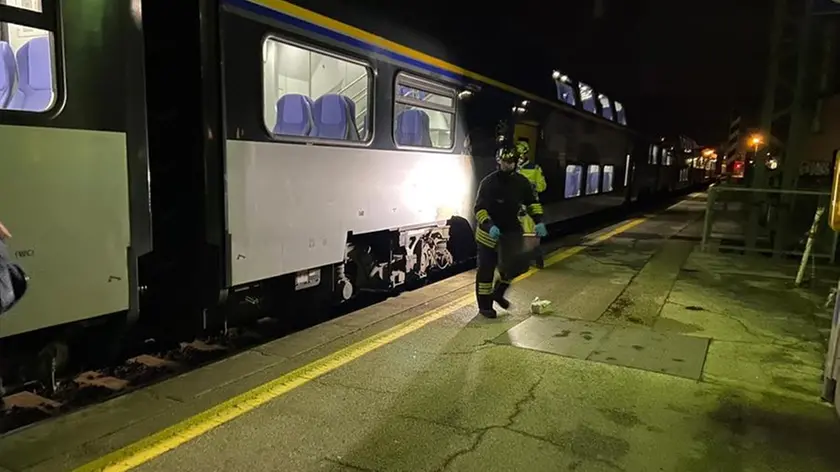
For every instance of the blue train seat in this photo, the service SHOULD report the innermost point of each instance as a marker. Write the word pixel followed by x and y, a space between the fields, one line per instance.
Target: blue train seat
pixel 334 118
pixel 8 73
pixel 34 61
pixel 413 129
pixel 294 115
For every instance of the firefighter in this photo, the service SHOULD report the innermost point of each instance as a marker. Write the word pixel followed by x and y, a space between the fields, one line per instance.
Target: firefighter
pixel 500 197
pixel 534 174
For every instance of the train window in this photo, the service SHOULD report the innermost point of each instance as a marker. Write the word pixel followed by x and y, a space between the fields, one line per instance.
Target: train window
pixel 607 179
pixel 27 59
pixel 31 5
pixel 315 95
pixel 620 116
pixel 424 113
pixel 668 157
pixel 565 91
pixel 587 98
pixel 593 179
pixel 653 156
pixel 574 175
pixel 606 109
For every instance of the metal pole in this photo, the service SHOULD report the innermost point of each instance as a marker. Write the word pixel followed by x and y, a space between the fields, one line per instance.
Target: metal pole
pixel 812 233
pixel 707 222
pixel 798 130
pixel 768 110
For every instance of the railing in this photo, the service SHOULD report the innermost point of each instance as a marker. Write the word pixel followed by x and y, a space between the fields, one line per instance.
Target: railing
pixel 769 221
pixel 340 90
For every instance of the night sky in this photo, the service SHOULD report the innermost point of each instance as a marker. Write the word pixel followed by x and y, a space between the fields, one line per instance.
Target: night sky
pixel 680 66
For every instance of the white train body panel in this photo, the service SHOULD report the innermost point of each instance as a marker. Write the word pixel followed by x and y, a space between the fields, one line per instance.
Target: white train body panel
pixel 64 197
pixel 291 206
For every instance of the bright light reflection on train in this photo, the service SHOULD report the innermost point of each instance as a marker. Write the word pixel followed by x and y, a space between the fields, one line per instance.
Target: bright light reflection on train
pixel 437 186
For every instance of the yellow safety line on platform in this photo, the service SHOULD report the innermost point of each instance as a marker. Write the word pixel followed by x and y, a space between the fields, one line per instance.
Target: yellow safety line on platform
pixel 170 438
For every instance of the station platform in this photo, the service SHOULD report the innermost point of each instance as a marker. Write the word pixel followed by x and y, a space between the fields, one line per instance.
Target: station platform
pixel 654 356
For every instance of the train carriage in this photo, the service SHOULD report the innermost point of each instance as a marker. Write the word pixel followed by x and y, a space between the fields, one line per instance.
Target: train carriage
pixel 201 157
pixel 73 182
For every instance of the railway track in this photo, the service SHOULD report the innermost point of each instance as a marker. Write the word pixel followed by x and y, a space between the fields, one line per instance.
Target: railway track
pixel 37 401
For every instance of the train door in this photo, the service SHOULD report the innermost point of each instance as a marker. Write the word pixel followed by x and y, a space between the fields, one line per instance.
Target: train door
pixel 528 132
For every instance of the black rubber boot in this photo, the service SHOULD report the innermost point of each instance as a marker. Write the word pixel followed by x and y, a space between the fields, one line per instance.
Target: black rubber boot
pixel 485 306
pixel 499 295
pixel 539 262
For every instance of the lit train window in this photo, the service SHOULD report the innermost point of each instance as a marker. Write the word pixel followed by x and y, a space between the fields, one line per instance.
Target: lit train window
pixel 606 109
pixel 607 179
pixel 653 157
pixel 565 91
pixel 27 57
pixel 669 157
pixel 587 98
pixel 31 5
pixel 424 113
pixel 574 175
pixel 620 115
pixel 316 95
pixel 593 179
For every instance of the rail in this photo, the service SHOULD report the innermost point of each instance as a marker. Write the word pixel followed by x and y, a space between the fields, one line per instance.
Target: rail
pixel 768 221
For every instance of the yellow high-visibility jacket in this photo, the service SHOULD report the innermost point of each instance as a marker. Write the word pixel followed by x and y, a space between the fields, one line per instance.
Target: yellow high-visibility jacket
pixel 534 174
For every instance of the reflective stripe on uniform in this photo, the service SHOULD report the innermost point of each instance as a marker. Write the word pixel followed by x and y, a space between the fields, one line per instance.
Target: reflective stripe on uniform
pixel 482 215
pixel 483 237
pixel 535 209
pixel 485 288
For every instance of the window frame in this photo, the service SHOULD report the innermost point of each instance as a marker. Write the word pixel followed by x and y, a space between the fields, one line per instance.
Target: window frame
pixel 49 20
pixel 411 80
pixel 311 47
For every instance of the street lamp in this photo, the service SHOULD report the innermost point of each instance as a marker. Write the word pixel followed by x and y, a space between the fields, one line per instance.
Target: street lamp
pixel 756 140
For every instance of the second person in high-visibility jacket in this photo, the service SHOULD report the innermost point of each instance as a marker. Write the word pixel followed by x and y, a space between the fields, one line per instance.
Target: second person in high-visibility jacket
pixel 532 172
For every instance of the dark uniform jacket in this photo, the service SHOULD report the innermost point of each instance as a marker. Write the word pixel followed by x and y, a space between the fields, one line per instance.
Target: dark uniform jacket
pixel 500 197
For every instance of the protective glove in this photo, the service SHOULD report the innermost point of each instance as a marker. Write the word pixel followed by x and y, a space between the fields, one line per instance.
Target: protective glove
pixel 495 232
pixel 541 230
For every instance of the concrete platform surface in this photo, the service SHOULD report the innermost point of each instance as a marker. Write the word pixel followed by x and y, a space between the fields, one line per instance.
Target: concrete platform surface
pixel 654 357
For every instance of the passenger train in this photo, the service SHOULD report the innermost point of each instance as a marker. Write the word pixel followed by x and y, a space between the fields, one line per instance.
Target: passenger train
pixel 174 162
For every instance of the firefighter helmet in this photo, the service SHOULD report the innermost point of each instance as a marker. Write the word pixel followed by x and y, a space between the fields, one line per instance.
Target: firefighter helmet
pixel 506 154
